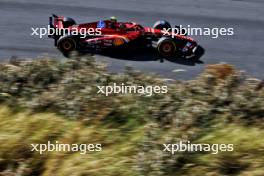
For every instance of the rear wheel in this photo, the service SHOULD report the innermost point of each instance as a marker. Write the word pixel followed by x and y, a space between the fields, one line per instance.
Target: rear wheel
pixel 166 47
pixel 66 45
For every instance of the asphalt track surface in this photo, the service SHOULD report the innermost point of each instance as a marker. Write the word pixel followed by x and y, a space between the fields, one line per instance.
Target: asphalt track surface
pixel 245 49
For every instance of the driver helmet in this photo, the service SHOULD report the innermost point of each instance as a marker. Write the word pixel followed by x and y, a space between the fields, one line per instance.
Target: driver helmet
pixel 113 19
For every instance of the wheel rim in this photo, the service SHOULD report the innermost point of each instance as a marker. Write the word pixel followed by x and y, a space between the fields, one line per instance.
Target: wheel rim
pixel 67 45
pixel 167 48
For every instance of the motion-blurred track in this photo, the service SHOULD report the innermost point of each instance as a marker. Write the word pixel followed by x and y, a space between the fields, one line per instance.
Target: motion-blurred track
pixel 244 49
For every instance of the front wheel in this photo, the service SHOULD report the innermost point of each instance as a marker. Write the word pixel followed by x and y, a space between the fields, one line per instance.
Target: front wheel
pixel 166 47
pixel 66 45
pixel 162 24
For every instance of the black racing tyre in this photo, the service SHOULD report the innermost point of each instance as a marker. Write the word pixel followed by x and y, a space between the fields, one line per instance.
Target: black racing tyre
pixel 67 44
pixel 166 47
pixel 67 22
pixel 162 24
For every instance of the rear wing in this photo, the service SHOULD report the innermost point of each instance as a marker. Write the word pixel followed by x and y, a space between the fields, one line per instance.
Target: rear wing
pixel 55 23
pixel 60 22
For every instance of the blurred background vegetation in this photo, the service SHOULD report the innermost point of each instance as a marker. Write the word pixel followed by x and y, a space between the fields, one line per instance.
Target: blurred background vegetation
pixel 46 99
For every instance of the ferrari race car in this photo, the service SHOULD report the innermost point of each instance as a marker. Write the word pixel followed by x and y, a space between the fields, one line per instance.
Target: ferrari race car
pixel 117 36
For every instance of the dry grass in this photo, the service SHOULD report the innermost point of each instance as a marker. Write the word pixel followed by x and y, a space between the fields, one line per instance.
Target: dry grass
pixel 49 100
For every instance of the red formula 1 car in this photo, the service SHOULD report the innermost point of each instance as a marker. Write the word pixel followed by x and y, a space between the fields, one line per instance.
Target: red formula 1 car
pixel 116 36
